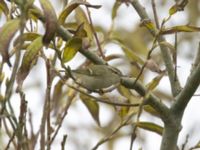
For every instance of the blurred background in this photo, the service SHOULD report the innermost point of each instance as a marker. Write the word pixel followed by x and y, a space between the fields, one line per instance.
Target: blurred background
pixel 118 33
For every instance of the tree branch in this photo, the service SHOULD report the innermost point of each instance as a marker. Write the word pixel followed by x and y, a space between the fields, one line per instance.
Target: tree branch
pixel 175 85
pixel 151 99
pixel 188 91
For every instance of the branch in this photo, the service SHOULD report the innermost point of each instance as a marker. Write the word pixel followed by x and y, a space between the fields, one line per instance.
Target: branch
pixel 188 91
pixel 175 85
pixel 197 59
pixel 151 99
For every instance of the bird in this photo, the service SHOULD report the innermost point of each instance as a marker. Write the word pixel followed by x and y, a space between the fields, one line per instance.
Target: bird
pixel 96 77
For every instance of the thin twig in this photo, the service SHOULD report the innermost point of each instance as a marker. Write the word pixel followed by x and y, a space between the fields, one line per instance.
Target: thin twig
pixel 175 85
pixel 63 142
pixel 155 14
pixel 48 99
pixel 185 143
pixel 133 136
pixel 68 104
pixel 95 34
pixel 175 55
pixel 10 140
pixel 110 136
pixel 22 120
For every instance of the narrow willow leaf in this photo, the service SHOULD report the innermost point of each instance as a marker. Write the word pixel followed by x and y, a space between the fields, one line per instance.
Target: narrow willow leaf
pixel 150 127
pixel 7 32
pixel 178 7
pixel 153 66
pixel 181 28
pixel 115 8
pixel 131 55
pixel 92 106
pixel 96 77
pixel 74 4
pixel 4 8
pixel 71 48
pixel 170 46
pixel 82 19
pixel 28 59
pixel 151 110
pixel 149 25
pixel 173 10
pixel 127 93
pixel 57 96
pixel 35 14
pixel 51 21
pixel 26 37
pixel 123 112
pixel 80 31
pixel 124 91
pixel 154 83
pixel 57 91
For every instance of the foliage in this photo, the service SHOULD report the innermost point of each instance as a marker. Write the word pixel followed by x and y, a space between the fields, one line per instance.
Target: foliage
pixel 99 80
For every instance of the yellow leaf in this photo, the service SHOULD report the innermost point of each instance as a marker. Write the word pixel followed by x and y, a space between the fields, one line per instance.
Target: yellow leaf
pixel 7 32
pixel 181 28
pixel 92 106
pixel 74 4
pixel 82 19
pixel 26 37
pixel 150 127
pixel 123 111
pixel 173 10
pixel 170 46
pixel 154 83
pixel 28 59
pixel 4 8
pixel 116 5
pixel 131 55
pixel 178 7
pixel 71 48
pixel 151 110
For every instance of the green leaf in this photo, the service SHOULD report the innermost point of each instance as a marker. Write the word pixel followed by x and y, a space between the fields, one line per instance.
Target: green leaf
pixel 96 77
pixel 115 8
pixel 181 28
pixel 173 10
pixel 7 32
pixel 170 46
pixel 29 59
pixel 154 83
pixel 127 93
pixel 151 110
pixel 74 4
pixel 178 7
pixel 131 55
pixel 4 8
pixel 57 93
pixel 124 91
pixel 35 14
pixel 57 96
pixel 71 48
pixel 92 106
pixel 82 19
pixel 50 21
pixel 30 36
pixel 123 112
pixel 150 127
